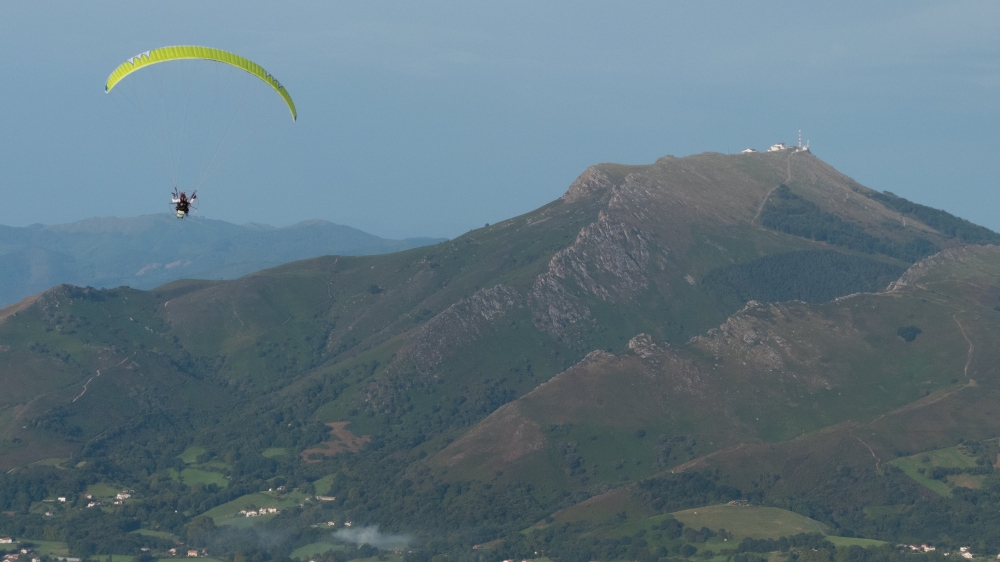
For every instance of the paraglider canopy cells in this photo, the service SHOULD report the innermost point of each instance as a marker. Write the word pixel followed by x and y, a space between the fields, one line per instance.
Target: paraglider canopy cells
pixel 182 52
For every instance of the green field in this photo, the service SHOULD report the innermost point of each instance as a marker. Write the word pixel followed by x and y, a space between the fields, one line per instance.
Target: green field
pixel 241 522
pixel 191 454
pixel 51 462
pixel 207 473
pixel 387 558
pixel 322 485
pixel 310 550
pixel 104 490
pixel 740 521
pixel 49 548
pixel 750 521
pixel 196 476
pixel 160 534
pixel 851 541
pixel 228 510
pixel 276 452
pixel 952 457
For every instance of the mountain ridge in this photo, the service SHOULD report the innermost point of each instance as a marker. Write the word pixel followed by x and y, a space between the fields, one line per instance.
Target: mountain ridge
pixel 150 250
pixel 597 343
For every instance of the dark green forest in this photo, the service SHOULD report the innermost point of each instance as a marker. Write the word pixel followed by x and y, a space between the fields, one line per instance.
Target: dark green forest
pixel 792 214
pixel 810 276
pixel 937 219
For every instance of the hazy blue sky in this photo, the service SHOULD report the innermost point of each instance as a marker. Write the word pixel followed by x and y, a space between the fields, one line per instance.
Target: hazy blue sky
pixel 431 118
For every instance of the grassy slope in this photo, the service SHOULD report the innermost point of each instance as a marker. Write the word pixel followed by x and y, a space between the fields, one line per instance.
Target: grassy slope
pixel 190 455
pixel 966 408
pixel 94 360
pixel 310 550
pixel 227 511
pixel 750 521
pixel 771 373
pixel 951 457
pixel 774 419
pixel 879 400
pixel 605 515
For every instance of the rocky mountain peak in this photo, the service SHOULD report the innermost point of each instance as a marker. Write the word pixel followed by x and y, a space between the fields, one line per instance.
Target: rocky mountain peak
pixel 593 180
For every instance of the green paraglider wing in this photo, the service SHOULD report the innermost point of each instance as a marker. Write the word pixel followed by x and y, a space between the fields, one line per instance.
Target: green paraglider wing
pixel 181 52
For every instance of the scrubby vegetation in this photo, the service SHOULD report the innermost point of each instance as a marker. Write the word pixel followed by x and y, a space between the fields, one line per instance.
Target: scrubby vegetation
pixel 939 220
pixel 810 276
pixel 792 214
pixel 674 492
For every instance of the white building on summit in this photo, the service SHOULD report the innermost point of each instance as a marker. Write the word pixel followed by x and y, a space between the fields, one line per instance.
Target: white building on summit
pixel 778 146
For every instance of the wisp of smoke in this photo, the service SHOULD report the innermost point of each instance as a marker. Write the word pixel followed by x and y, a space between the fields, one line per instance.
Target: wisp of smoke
pixel 371 535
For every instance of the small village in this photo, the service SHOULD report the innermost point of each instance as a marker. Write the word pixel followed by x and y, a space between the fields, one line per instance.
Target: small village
pixel 23 553
pixel 259 512
pixel 963 551
pixel 18 552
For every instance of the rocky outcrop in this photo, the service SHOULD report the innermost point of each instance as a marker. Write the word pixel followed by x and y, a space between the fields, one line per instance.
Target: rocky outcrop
pixel 554 309
pixel 590 182
pixel 662 363
pixel 608 259
pixel 976 261
pixel 751 338
pixel 644 347
pixel 460 324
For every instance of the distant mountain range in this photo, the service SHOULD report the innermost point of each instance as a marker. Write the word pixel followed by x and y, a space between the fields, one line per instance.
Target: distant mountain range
pixel 147 251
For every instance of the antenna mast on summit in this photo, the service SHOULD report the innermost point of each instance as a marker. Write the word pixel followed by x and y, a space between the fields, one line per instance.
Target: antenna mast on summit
pixel 800 138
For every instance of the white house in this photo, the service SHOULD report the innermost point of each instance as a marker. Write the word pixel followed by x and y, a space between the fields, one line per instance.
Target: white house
pixel 747 151
pixel 777 147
